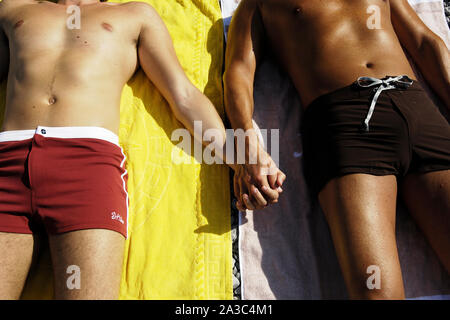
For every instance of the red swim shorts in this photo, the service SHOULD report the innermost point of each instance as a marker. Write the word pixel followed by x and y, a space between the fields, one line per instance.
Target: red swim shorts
pixel 63 179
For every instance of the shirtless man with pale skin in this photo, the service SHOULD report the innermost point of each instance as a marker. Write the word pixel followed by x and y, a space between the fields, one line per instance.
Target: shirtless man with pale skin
pixel 364 140
pixel 60 162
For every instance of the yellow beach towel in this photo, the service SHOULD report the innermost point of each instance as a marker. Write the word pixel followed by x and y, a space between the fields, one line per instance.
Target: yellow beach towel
pixel 179 244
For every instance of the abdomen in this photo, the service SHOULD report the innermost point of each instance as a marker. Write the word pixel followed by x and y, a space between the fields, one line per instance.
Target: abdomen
pixel 329 44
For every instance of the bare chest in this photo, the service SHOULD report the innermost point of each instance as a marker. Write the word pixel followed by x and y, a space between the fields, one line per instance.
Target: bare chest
pixel 313 13
pixel 45 27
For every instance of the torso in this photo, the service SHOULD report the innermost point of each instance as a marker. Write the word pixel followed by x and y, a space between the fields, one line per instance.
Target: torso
pixel 68 77
pixel 63 77
pixel 326 44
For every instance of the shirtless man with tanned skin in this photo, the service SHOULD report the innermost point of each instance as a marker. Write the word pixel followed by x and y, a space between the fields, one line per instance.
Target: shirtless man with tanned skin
pixel 71 78
pixel 325 46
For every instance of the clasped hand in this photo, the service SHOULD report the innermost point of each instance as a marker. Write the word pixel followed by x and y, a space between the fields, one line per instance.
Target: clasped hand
pixel 257 185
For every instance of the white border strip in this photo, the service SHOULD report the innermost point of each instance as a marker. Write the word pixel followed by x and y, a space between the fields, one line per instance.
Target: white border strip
pixel 435 297
pixel 241 265
pixel 413 2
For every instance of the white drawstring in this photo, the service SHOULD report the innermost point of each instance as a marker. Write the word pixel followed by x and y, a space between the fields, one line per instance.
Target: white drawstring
pixel 386 84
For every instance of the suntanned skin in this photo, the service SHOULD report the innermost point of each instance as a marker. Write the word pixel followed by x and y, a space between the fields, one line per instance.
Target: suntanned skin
pixel 65 77
pixel 59 77
pixel 323 46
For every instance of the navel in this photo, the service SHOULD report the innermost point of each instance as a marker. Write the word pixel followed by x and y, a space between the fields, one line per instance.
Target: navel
pixel 18 24
pixel 52 100
pixel 107 26
pixel 369 65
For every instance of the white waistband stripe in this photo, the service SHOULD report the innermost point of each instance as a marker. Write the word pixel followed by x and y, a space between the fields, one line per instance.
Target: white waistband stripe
pixel 16 135
pixel 61 132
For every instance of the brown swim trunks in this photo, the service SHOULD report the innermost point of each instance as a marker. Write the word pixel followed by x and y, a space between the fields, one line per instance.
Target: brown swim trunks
pixel 344 132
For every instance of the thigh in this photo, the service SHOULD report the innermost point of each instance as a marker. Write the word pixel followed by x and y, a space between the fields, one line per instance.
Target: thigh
pixel 360 210
pixel 427 197
pixel 87 264
pixel 16 252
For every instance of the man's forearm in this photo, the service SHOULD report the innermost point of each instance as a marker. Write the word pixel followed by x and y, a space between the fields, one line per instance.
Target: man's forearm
pixel 239 100
pixel 196 107
pixel 239 107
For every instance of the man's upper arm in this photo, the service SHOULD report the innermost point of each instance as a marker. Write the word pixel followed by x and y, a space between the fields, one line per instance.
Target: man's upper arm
pixel 410 29
pixel 4 50
pixel 245 39
pixel 158 59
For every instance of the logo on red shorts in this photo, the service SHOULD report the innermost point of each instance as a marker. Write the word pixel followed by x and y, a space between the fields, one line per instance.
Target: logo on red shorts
pixel 116 216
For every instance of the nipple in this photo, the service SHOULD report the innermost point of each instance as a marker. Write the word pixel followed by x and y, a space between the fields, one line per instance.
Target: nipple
pixel 107 26
pixel 297 10
pixel 18 24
